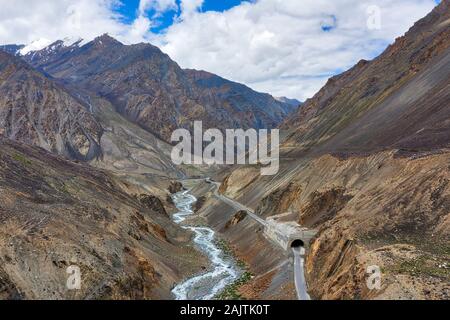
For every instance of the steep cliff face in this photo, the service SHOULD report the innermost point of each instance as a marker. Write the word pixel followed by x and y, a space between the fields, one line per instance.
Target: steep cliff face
pixel 382 210
pixel 150 89
pixel 55 214
pixel 35 110
pixel 365 163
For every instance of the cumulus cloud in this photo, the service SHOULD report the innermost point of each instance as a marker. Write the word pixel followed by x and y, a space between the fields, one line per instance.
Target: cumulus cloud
pixel 284 47
pixel 157 5
pixel 289 47
pixel 23 21
pixel 189 7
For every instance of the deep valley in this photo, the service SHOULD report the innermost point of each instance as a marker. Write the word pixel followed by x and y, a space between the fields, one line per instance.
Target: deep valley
pixel 87 178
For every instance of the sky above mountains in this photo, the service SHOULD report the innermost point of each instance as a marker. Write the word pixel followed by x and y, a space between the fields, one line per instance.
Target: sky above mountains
pixel 284 47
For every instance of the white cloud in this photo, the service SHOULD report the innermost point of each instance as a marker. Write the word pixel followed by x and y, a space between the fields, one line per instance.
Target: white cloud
pixel 24 21
pixel 157 5
pixel 279 46
pixel 189 7
pixel 276 46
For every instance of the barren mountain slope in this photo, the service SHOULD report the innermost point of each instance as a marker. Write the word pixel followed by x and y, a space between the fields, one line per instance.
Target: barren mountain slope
pixel 150 89
pixel 398 100
pixel 366 163
pixel 55 214
pixel 35 110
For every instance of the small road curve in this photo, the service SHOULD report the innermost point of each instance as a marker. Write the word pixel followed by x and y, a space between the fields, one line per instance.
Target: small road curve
pixel 299 252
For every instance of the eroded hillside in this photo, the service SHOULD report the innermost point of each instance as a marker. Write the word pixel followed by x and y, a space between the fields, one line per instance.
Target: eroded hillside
pixel 150 89
pixel 366 163
pixel 55 214
pixel 35 110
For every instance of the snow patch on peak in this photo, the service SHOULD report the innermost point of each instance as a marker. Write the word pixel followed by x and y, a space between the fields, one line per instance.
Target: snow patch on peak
pixel 35 46
pixel 293 102
pixel 49 46
pixel 73 41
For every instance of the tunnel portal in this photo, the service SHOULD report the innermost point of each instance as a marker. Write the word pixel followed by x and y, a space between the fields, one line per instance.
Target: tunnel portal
pixel 297 243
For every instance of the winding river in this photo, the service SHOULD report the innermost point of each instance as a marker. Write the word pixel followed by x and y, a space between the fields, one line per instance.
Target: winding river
pixel 223 270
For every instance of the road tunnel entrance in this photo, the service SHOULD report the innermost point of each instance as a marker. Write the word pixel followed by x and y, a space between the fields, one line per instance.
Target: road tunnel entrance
pixel 297 243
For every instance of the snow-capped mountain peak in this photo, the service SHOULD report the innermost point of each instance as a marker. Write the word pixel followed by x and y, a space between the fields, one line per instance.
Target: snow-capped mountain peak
pixel 35 46
pixel 49 46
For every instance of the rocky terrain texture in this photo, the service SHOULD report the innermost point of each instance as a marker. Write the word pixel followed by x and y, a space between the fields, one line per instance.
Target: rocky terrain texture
pixel 114 107
pixel 148 88
pixel 35 110
pixel 77 124
pixel 55 213
pixel 365 163
pixel 270 268
pixel 131 152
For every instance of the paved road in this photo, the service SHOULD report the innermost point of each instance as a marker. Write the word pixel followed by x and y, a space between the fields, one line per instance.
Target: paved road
pixel 299 274
pixel 299 253
pixel 236 205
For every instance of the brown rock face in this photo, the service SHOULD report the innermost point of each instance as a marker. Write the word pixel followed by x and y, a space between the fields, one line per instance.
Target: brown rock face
pixel 365 163
pixel 175 186
pixel 199 203
pixel 280 200
pixel 148 88
pixel 35 110
pixel 238 217
pixel 153 203
pixel 323 206
pixel 55 214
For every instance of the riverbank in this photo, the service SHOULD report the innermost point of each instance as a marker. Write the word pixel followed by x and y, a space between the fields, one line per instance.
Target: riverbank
pixel 223 270
pixel 272 268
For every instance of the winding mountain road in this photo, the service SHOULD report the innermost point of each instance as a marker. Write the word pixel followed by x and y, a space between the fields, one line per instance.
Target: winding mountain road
pixel 299 252
pixel 236 205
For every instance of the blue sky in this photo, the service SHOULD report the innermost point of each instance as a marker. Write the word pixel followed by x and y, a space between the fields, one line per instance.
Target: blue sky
pixel 282 47
pixel 129 11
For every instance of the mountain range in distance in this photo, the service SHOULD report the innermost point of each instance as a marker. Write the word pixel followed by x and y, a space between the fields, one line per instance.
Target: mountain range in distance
pixel 148 88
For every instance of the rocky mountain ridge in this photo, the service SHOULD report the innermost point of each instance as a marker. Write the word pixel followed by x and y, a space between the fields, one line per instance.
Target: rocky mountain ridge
pixel 148 88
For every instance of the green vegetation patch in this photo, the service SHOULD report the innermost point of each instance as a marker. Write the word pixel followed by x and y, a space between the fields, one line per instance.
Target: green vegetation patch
pixel 21 158
pixel 231 292
pixel 422 266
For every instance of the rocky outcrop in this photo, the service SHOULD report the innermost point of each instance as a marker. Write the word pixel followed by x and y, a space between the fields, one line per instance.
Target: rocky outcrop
pixel 323 206
pixel 8 290
pixel 238 217
pixel 152 202
pixel 175 186
pixel 199 203
pixel 280 200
